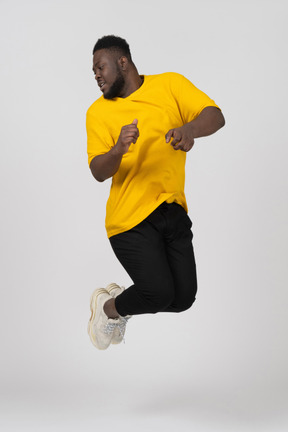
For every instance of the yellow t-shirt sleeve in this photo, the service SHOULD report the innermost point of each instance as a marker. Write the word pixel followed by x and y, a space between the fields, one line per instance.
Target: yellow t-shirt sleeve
pixel 191 100
pixel 98 139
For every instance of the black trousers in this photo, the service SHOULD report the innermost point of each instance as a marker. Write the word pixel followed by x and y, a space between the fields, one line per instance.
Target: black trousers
pixel 158 256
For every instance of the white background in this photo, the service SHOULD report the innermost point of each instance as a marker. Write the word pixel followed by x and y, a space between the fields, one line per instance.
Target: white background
pixel 220 366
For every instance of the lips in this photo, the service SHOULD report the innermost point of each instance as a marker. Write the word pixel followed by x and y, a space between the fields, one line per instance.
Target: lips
pixel 101 84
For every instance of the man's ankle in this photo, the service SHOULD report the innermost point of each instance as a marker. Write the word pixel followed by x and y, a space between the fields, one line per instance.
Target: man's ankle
pixel 110 309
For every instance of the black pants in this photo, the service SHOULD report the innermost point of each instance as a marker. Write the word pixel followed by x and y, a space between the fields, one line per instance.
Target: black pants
pixel 158 256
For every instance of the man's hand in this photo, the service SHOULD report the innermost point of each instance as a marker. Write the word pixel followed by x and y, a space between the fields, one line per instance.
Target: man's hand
pixel 208 122
pixel 106 165
pixel 128 135
pixel 183 138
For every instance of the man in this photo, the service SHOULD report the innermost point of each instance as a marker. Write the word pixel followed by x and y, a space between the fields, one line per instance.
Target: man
pixel 139 132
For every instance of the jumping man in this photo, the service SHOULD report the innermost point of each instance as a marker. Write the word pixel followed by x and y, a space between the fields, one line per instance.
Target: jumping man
pixel 139 132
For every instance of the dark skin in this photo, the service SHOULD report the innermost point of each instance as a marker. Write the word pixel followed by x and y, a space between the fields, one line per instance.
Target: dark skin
pixel 111 69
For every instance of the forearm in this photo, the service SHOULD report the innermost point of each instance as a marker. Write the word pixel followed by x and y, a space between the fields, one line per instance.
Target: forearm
pixel 208 122
pixel 106 165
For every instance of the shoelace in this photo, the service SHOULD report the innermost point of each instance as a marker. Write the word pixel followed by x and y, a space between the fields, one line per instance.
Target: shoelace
pixel 110 327
pixel 121 325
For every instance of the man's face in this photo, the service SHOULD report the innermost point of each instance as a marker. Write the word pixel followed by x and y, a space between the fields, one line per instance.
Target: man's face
pixel 108 74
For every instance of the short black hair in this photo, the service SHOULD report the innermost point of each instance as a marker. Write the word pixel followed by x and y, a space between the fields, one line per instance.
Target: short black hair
pixel 113 43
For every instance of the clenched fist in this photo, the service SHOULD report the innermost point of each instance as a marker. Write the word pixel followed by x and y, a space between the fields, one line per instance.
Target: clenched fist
pixel 182 138
pixel 128 135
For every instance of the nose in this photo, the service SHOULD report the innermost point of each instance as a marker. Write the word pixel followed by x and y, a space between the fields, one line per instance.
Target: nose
pixel 97 75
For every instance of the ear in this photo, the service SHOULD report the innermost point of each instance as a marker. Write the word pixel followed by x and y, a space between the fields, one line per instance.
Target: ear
pixel 123 63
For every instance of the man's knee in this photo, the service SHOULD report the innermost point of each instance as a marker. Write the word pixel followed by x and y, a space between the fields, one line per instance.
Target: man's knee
pixel 184 304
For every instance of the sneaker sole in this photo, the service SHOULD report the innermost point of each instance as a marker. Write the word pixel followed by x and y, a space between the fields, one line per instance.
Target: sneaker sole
pixel 93 307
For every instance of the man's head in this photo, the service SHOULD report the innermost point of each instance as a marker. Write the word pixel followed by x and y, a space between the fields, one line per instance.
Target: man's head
pixel 114 44
pixel 111 63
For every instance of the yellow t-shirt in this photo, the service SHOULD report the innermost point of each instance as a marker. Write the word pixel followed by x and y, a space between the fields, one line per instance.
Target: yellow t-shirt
pixel 152 171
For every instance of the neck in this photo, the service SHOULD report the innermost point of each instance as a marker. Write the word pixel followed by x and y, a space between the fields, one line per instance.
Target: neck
pixel 132 84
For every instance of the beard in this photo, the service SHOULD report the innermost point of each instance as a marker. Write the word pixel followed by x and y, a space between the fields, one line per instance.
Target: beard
pixel 116 87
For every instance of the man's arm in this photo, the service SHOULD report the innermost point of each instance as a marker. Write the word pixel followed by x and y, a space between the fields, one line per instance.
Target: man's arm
pixel 208 122
pixel 106 165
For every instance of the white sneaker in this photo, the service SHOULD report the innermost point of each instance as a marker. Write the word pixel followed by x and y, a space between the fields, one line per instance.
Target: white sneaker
pixel 114 290
pixel 100 327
